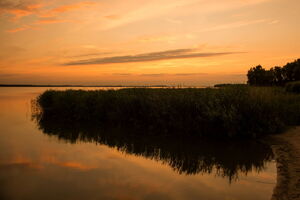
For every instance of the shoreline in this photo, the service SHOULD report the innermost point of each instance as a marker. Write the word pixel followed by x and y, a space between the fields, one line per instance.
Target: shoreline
pixel 286 148
pixel 120 86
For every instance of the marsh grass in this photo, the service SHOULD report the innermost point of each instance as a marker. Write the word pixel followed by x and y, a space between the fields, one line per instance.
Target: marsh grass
pixel 235 111
pixel 293 87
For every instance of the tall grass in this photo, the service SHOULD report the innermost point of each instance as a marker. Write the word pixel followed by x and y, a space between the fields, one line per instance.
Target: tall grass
pixel 235 111
pixel 293 87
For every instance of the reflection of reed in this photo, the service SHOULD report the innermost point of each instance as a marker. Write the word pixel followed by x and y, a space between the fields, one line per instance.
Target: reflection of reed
pixel 184 155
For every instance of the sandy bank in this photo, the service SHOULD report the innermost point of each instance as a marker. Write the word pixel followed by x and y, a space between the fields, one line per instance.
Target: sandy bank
pixel 286 148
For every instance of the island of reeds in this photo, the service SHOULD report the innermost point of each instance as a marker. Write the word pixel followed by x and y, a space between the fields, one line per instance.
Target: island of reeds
pixel 268 104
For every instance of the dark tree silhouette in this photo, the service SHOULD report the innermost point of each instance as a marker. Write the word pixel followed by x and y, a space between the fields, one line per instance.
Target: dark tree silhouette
pixel 291 71
pixel 278 76
pixel 259 76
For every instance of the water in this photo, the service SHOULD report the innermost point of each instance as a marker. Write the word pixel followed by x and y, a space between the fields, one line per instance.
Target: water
pixel 54 161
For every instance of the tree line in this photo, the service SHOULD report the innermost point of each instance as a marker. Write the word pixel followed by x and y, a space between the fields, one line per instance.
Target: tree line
pixel 277 75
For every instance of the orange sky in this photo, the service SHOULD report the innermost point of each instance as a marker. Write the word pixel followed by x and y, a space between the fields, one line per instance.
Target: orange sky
pixel 178 42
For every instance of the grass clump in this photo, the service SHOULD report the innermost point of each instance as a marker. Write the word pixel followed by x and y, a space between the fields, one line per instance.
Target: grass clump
pixel 293 87
pixel 235 111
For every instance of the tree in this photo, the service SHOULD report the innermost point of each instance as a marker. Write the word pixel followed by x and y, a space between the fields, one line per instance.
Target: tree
pixel 259 76
pixel 277 74
pixel 291 71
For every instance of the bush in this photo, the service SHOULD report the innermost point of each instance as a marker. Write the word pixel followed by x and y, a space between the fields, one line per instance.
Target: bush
pixel 293 87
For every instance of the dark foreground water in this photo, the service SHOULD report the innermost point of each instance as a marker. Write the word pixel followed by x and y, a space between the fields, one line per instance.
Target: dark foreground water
pixel 54 161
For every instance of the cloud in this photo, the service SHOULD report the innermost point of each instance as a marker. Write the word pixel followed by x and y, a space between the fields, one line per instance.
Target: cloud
pixel 122 74
pixel 177 74
pixel 36 24
pixel 233 25
pixel 153 56
pixel 45 16
pixel 24 8
pixel 90 55
pixel 274 22
pixel 23 28
pixel 19 8
pixel 113 17
pixel 66 8
pixel 190 74
pixel 50 21
pixel 70 7
pixel 160 74
pixel 153 75
pixel 20 5
pixel 158 38
pixel 171 10
pixel 10 52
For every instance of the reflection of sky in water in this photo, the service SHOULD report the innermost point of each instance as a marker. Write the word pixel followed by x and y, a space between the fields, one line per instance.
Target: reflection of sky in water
pixel 36 166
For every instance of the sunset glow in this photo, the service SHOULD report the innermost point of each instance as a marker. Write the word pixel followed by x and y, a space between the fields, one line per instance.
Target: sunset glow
pixel 139 42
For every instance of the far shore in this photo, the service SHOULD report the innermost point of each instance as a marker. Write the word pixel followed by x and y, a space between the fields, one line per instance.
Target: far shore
pixel 125 86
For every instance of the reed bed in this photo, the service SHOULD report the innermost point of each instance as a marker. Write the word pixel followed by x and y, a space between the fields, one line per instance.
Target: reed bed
pixel 234 111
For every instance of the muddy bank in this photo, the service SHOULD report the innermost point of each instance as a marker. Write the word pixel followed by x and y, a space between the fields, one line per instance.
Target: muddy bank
pixel 286 148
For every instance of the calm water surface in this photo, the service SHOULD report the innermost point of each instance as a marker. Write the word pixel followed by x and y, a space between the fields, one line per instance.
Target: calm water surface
pixel 51 161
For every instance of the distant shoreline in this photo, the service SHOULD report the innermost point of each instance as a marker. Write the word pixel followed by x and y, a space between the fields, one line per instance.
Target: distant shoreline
pixel 29 85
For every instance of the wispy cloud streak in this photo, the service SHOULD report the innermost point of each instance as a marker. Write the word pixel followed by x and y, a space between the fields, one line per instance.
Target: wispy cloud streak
pixel 23 8
pixel 18 29
pixel 19 8
pixel 153 56
pixel 233 25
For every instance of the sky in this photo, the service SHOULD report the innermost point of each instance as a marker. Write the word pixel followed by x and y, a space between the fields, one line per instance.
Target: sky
pixel 140 42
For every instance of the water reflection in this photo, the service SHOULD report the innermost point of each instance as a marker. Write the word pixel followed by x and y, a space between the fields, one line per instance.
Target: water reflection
pixel 185 155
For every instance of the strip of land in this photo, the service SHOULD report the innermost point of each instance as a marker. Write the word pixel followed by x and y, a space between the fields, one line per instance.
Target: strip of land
pixel 30 85
pixel 287 154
